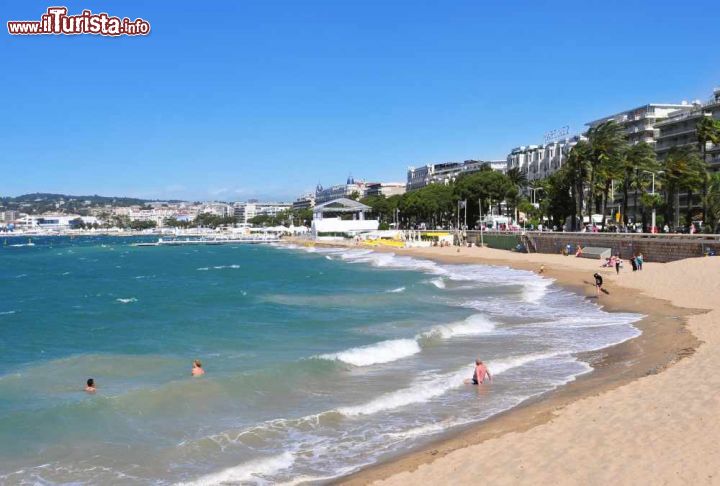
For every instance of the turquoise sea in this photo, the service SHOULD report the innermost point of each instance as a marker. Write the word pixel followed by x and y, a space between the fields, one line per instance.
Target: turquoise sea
pixel 318 361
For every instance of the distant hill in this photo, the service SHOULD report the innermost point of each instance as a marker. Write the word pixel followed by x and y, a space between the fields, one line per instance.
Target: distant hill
pixel 41 202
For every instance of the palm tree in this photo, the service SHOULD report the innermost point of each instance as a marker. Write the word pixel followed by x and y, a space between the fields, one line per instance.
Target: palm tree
pixel 608 144
pixel 684 170
pixel 575 171
pixel 639 159
pixel 712 201
pixel 517 177
pixel 708 130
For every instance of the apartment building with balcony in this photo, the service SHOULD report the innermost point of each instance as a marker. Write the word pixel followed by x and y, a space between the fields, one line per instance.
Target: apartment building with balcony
pixel 447 172
pixel 245 211
pixel 680 130
pixel 540 161
pixel 306 201
pixel 639 123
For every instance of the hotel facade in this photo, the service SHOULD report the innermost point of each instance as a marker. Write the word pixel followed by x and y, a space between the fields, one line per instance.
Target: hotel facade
pixel 540 161
pixel 447 172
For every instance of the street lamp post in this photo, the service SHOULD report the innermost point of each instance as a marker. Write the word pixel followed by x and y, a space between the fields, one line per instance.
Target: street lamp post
pixel 482 240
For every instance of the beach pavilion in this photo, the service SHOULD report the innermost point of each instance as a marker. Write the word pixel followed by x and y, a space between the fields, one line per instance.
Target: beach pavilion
pixel 328 220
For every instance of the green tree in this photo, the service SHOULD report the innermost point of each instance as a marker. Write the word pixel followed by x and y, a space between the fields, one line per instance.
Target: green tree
pixel 139 225
pixel 684 170
pixel 486 188
pixel 558 201
pixel 517 177
pixel 640 158
pixel 574 175
pixel 708 130
pixel 380 207
pixel 433 204
pixel 608 145
pixel 712 201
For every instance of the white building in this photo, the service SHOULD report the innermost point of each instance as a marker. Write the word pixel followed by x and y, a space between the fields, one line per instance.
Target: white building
pixel 245 211
pixel 54 221
pixel 217 209
pixel 325 224
pixel 639 123
pixel 157 216
pixel 447 172
pixel 386 189
pixel 539 161
pixel 304 202
pixel 351 186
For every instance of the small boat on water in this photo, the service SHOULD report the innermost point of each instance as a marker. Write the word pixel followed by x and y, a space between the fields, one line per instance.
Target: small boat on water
pixel 214 240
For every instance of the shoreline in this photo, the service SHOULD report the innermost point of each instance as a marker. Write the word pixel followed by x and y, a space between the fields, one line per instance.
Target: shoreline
pixel 665 339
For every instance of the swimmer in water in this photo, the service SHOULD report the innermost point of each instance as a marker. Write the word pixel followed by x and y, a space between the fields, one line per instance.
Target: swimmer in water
pixel 90 386
pixel 479 374
pixel 197 369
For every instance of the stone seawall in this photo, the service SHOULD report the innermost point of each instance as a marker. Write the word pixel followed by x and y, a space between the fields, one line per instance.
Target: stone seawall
pixel 655 248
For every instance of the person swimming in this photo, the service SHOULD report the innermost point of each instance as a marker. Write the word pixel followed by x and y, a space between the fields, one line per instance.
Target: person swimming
pixel 197 369
pixel 479 374
pixel 90 386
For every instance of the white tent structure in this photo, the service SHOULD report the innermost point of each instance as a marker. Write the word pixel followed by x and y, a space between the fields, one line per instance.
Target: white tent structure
pixel 335 225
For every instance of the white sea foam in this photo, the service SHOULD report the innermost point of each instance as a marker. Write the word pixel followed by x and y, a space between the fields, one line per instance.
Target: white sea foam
pixel 534 290
pixel 382 352
pixel 438 282
pixel 204 269
pixel 248 471
pixel 396 291
pixel 127 301
pixel 395 349
pixel 7 313
pixel 472 326
pixel 436 385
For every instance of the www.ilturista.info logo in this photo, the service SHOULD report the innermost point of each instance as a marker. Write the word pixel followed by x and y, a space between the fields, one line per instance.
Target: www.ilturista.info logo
pixel 56 21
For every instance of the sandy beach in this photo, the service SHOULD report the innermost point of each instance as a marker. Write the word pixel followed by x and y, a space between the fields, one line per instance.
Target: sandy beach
pixel 648 414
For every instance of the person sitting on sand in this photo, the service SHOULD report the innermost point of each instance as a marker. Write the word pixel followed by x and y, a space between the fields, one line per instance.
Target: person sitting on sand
pixel 197 369
pixel 598 283
pixel 480 373
pixel 90 386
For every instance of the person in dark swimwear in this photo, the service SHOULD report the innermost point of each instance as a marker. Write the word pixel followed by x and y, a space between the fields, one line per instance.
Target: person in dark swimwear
pixel 598 283
pixel 90 386
pixel 480 373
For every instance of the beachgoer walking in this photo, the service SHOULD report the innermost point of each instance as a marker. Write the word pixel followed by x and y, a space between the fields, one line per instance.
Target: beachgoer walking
pixel 197 369
pixel 633 262
pixel 640 261
pixel 617 265
pixel 90 386
pixel 598 283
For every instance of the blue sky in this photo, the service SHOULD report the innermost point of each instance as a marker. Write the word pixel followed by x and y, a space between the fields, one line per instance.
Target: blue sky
pixel 237 99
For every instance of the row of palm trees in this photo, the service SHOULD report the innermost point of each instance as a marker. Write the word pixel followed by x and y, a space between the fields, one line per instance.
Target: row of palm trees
pixel 604 160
